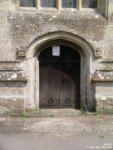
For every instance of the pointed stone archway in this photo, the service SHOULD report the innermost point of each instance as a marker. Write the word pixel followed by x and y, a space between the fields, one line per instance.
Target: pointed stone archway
pixel 81 46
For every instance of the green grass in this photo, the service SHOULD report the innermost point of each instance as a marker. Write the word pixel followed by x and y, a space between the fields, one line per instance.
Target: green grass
pixel 102 113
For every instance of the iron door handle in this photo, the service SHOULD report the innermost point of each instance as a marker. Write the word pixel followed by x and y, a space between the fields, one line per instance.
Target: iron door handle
pixel 64 79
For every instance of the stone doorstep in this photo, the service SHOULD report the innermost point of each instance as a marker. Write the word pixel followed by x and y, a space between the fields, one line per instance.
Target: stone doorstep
pixel 53 113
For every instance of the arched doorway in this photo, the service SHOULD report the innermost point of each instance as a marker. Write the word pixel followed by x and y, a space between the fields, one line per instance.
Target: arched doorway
pixel 59 77
pixel 75 43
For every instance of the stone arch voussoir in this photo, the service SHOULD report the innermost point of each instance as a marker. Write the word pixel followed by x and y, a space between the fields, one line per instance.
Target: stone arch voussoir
pixel 39 41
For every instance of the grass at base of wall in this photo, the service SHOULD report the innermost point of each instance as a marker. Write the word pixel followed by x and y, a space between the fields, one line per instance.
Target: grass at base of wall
pixel 39 113
pixel 102 113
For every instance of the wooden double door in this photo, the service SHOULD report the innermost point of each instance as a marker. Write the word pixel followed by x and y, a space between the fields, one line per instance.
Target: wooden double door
pixel 59 80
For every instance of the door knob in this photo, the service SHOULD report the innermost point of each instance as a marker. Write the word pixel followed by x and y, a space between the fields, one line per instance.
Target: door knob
pixel 64 79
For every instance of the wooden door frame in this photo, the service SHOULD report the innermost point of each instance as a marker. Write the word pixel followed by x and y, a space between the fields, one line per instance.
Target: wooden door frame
pixel 86 52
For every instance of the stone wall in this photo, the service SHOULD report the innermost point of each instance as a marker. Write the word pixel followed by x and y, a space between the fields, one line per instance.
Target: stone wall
pixel 104 97
pixel 19 28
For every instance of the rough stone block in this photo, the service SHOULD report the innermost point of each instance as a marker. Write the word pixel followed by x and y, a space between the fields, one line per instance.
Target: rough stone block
pixel 10 105
pixel 110 101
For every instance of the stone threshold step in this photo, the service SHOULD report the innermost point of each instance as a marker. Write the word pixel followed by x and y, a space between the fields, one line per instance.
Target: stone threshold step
pixel 53 113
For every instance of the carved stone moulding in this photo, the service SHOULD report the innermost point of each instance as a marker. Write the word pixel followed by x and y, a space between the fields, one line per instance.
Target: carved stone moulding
pixel 98 53
pixel 12 76
pixel 20 52
pixel 103 76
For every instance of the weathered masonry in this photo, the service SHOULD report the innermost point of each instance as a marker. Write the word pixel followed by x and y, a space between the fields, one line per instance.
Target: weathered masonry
pixel 56 54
